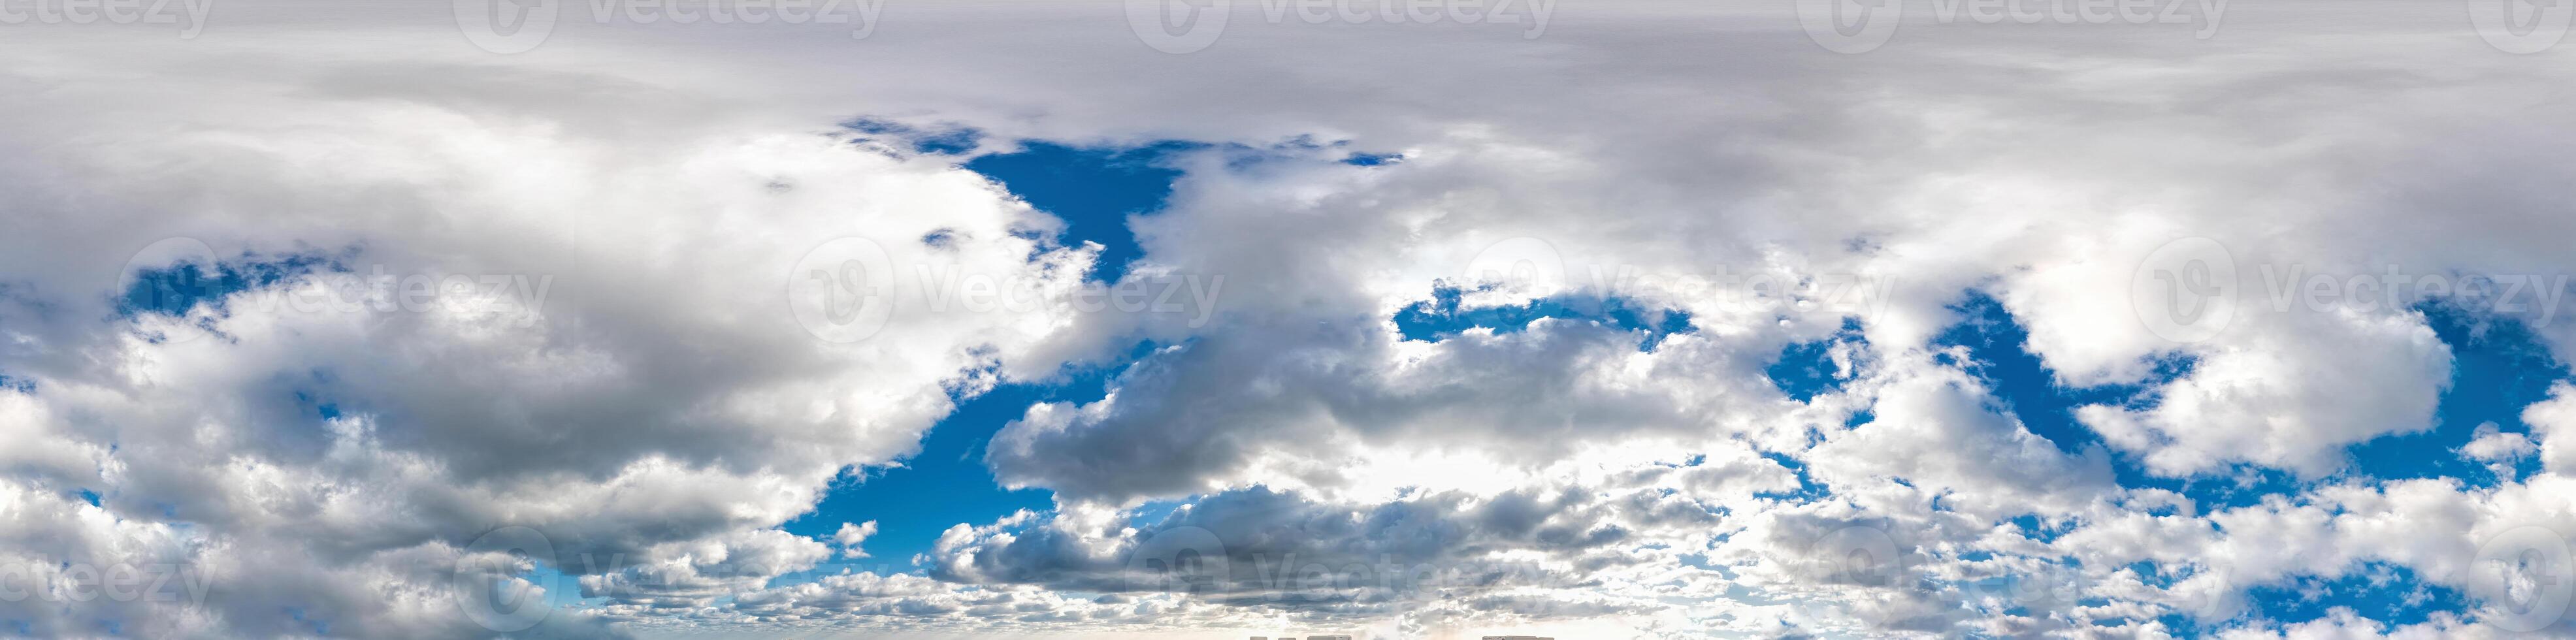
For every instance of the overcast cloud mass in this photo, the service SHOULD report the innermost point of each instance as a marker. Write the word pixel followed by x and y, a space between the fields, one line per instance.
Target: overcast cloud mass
pixel 1583 319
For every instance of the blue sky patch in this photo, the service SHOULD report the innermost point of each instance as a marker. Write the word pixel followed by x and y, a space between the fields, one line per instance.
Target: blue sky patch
pixel 1805 370
pixel 2498 368
pixel 2034 528
pixel 1092 189
pixel 2384 592
pixel 2238 485
pixel 944 485
pixel 177 288
pixel 1808 489
pixel 1998 356
pixel 1372 159
pixel 948 482
pixel 1440 317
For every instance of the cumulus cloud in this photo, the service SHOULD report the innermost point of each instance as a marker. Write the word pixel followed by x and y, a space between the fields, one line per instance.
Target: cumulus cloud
pixel 850 536
pixel 655 410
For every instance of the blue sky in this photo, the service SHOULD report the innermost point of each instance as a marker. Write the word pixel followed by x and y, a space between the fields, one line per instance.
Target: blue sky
pixel 1093 190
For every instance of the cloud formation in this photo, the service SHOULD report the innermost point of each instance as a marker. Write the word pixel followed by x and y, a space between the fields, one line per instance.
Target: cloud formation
pixel 324 323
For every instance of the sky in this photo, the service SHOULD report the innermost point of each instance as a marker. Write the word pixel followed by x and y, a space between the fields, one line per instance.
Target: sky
pixel 1230 318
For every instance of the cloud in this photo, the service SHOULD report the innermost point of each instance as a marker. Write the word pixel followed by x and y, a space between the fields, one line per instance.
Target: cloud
pixel 851 535
pixel 659 377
